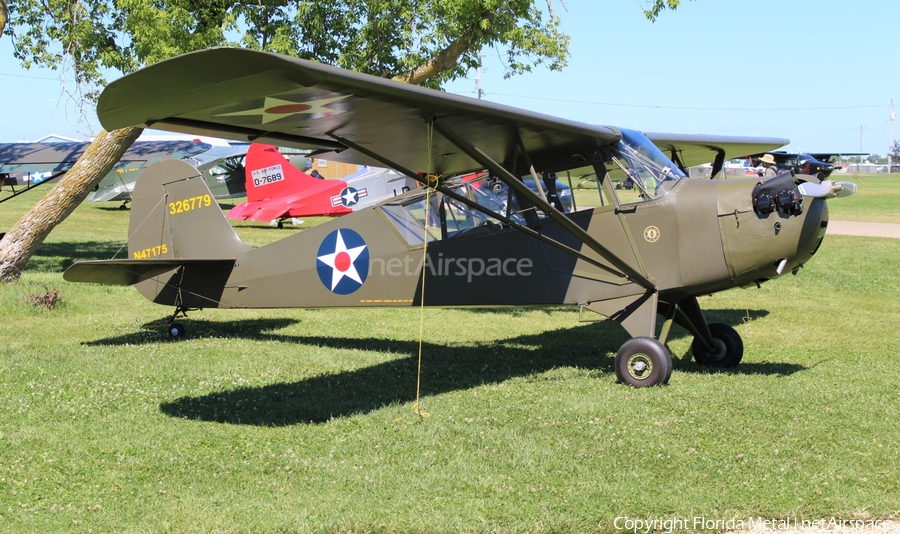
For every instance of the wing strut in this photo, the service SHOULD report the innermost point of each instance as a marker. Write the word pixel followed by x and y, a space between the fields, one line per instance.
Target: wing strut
pixel 529 231
pixel 718 163
pixel 478 207
pixel 521 189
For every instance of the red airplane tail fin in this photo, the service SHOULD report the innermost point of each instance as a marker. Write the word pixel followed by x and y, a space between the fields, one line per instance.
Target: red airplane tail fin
pixel 269 174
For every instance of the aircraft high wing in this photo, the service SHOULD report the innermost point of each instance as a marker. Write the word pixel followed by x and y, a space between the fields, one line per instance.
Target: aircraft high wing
pixel 277 190
pixel 690 150
pixel 472 244
pixel 57 158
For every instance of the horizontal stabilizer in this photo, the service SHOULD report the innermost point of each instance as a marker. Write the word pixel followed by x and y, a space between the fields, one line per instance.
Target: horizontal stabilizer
pixel 130 272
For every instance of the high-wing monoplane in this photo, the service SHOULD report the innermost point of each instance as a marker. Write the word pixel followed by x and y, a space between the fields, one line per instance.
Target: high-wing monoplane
pixel 818 164
pixel 57 158
pixel 453 242
pixel 277 190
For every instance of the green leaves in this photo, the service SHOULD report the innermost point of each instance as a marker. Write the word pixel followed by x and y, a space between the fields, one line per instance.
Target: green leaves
pixel 658 6
pixel 381 37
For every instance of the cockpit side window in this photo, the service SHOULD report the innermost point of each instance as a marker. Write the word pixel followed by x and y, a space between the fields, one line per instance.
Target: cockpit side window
pixel 444 217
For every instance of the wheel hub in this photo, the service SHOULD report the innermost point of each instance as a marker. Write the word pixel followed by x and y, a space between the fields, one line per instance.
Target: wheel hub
pixel 640 366
pixel 719 350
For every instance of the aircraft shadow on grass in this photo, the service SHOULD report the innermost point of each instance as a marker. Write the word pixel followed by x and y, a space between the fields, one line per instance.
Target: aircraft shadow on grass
pixel 446 369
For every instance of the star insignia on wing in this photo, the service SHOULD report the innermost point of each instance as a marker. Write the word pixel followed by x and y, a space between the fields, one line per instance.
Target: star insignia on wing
pixel 274 109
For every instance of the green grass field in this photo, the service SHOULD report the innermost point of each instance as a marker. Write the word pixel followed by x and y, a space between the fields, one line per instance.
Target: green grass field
pixel 302 420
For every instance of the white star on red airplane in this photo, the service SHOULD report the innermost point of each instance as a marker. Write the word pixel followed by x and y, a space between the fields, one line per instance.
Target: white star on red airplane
pixel 274 109
pixel 341 262
pixel 351 196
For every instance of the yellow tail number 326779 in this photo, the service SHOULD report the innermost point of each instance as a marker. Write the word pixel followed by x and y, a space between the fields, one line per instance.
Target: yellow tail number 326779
pixel 188 204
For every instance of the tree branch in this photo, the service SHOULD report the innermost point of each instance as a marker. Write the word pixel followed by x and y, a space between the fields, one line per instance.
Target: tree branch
pixel 444 60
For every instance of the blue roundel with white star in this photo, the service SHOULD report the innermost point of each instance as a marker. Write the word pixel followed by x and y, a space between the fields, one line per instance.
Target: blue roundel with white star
pixel 343 261
pixel 349 196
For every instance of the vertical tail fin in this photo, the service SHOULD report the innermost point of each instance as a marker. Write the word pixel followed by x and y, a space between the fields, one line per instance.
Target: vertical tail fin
pixel 270 174
pixel 173 215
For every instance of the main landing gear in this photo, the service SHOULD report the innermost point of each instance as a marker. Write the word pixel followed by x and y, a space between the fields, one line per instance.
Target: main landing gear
pixel 644 361
pixel 727 347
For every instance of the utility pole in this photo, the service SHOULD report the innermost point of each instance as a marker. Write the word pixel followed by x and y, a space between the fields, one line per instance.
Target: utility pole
pixel 478 77
pixel 890 135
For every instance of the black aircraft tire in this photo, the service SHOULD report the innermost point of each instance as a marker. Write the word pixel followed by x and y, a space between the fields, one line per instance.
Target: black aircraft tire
pixel 729 344
pixel 176 330
pixel 643 362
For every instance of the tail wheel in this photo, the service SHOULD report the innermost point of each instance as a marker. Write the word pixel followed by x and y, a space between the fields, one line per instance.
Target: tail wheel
pixel 642 362
pixel 727 344
pixel 176 330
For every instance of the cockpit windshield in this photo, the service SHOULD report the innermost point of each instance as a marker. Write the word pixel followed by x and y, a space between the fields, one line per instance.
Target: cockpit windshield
pixel 639 163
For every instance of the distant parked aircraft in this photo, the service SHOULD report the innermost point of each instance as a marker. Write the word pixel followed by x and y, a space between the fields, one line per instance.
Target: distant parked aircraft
pixel 277 190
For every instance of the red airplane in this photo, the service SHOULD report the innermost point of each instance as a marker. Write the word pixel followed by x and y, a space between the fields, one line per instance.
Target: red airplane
pixel 276 190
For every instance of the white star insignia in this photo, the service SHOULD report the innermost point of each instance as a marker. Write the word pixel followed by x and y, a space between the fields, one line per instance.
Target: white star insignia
pixel 351 197
pixel 274 109
pixel 342 261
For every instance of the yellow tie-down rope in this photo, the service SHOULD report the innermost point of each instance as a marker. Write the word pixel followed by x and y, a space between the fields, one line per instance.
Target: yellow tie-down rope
pixel 431 182
pixel 417 406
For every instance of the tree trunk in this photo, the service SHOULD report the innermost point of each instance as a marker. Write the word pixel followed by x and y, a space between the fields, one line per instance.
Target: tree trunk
pixel 24 238
pixel 4 15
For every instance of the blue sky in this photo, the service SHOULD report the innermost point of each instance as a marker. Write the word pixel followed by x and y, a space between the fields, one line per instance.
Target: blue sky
pixel 820 73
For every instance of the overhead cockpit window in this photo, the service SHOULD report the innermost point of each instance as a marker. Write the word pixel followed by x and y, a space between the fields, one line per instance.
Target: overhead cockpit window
pixel 639 166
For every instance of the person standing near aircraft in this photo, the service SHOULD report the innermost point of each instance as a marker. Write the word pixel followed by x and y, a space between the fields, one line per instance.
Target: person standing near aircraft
pixel 770 168
pixel 308 169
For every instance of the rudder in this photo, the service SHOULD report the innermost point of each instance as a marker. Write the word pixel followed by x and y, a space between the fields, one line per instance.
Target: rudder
pixel 174 215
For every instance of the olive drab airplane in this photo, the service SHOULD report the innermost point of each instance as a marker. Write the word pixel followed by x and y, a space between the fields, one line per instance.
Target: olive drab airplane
pixel 277 190
pixel 628 259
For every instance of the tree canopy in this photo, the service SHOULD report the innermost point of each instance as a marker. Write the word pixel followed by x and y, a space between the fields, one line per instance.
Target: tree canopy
pixel 391 38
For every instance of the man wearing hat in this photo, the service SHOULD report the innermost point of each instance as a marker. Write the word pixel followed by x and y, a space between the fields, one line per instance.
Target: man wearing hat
pixel 308 169
pixel 768 161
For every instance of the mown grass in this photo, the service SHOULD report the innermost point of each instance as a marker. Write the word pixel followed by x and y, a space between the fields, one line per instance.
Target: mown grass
pixel 301 420
pixel 877 199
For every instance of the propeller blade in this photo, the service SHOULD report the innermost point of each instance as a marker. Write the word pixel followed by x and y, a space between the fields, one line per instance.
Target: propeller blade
pixel 827 189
